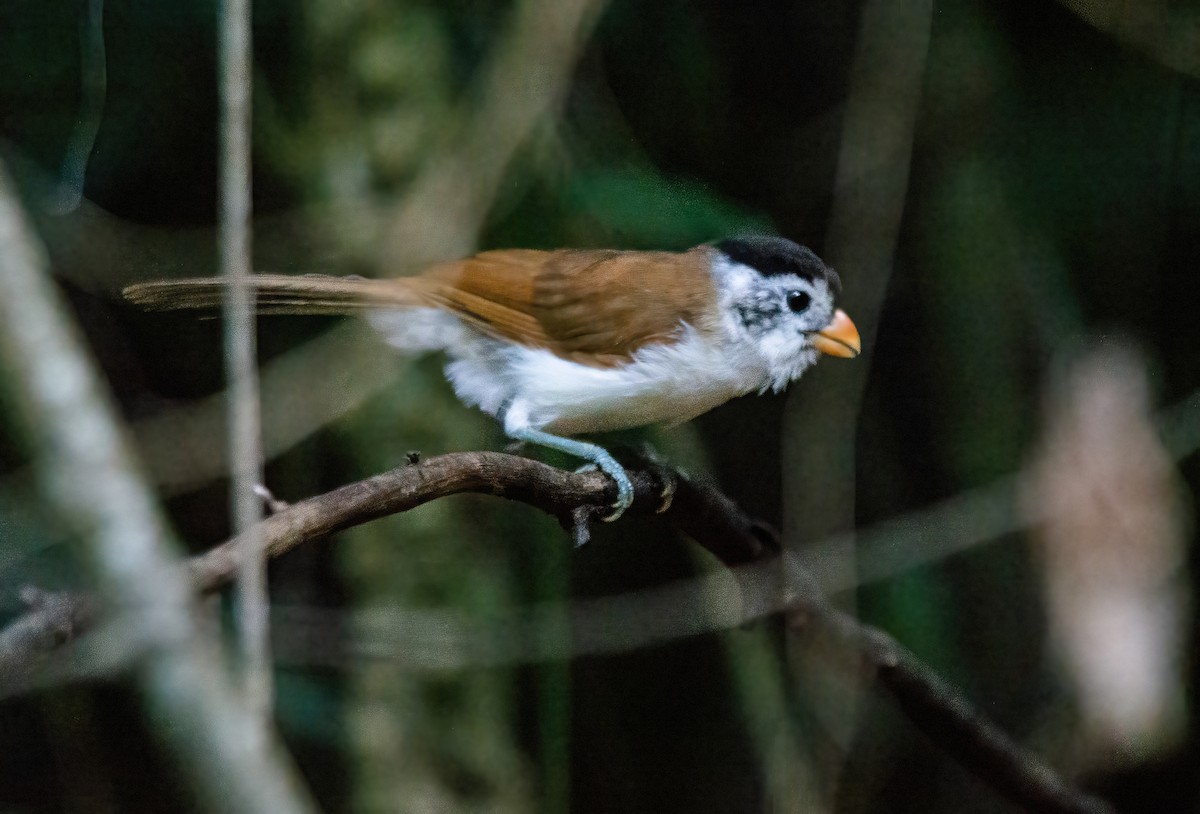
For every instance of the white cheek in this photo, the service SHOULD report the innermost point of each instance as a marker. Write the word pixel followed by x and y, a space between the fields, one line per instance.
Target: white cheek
pixel 778 345
pixel 787 355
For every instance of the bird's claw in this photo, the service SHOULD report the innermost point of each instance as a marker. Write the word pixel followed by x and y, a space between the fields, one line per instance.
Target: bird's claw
pixel 609 466
pixel 670 482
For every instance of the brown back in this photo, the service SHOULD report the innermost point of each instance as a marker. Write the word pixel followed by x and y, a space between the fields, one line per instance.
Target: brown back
pixel 596 307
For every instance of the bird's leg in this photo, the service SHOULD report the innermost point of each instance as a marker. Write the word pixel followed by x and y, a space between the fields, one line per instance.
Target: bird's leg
pixel 589 452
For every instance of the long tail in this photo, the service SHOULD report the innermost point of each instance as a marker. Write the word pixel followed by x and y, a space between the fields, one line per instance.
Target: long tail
pixel 283 294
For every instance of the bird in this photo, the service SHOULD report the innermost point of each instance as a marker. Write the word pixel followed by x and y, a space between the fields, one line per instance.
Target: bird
pixel 567 342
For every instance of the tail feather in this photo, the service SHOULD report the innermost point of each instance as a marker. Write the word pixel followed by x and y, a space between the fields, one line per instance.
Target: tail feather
pixel 281 294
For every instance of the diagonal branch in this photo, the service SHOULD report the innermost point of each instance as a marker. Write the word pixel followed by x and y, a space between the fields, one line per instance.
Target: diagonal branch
pixel 706 515
pixel 934 706
pixel 90 476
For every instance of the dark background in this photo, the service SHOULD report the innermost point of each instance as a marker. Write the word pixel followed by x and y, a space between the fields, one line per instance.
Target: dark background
pixel 1052 205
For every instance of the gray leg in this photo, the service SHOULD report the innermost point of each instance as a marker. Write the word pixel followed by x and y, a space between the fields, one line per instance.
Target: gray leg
pixel 589 452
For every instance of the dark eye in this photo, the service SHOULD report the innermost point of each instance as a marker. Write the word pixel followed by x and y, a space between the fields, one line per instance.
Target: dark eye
pixel 798 301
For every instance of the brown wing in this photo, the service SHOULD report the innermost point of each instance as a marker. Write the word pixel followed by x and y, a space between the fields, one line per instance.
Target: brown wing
pixel 596 307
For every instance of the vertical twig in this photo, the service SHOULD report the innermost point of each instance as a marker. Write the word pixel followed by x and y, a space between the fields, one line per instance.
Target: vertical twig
pixel 870 190
pixel 245 431
pixel 871 187
pixel 86 470
pixel 94 79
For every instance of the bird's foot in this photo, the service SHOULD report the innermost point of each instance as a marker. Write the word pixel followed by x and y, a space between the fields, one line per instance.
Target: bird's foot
pixel 600 458
pixel 609 466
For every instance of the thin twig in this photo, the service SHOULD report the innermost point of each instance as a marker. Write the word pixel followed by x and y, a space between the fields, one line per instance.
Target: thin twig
pixel 870 188
pixel 89 475
pixel 245 424
pixel 818 437
pixel 93 71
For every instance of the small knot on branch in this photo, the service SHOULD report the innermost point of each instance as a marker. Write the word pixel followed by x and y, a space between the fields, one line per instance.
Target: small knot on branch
pixel 273 504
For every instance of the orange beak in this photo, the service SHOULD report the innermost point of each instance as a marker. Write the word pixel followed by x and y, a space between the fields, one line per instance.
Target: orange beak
pixel 839 337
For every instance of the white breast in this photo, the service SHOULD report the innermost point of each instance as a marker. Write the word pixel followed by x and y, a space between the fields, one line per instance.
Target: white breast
pixel 533 388
pixel 663 384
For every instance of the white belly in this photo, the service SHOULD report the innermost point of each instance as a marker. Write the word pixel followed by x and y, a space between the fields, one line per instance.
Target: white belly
pixel 663 384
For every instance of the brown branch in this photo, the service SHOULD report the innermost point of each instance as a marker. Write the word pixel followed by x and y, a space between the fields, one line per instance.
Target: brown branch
pixel 948 719
pixel 554 491
pixel 940 711
pixel 706 515
pixel 700 511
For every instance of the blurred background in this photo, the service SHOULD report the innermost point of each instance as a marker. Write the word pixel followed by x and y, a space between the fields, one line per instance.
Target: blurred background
pixel 1004 481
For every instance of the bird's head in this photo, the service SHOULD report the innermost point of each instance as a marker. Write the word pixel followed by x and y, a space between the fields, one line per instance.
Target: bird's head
pixel 779 298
